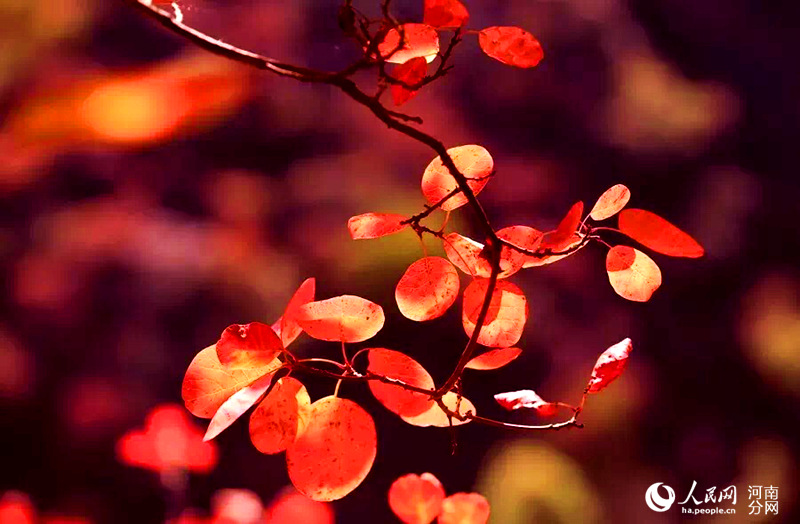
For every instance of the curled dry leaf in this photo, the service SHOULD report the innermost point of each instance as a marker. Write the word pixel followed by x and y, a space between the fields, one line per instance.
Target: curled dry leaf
pixel 427 289
pixel 566 230
pixel 411 73
pixel 493 359
pixel 654 232
pixel 375 225
pixel 464 508
pixel 345 318
pixel 289 328
pixel 445 14
pixel 436 417
pixel 609 365
pixel 248 345
pixel 472 161
pixel 611 202
pixel 511 45
pixel 416 499
pixel 527 399
pixel 397 365
pixel 419 40
pixel 335 452
pixel 208 384
pixel 505 320
pixel 633 274
pixel 236 405
pixel 276 422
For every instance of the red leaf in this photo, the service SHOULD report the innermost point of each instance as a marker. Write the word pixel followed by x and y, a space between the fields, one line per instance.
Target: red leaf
pixel 416 499
pixel 527 399
pixel 276 422
pixel 505 320
pixel 291 507
pixel 250 345
pixel 524 237
pixel 419 40
pixel 289 328
pixel 611 202
pixel 464 508
pixel 659 235
pixel 335 452
pixel 494 359
pixel 575 240
pixel 396 365
pixel 16 508
pixel 472 161
pixel 427 289
pixel 445 14
pixel 236 405
pixel 511 45
pixel 436 417
pixel 375 225
pixel 632 274
pixel 565 232
pixel 346 318
pixel 610 365
pixel 412 73
pixel 465 254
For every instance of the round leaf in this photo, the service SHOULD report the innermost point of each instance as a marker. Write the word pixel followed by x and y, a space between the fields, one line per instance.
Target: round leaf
pixel 346 318
pixel 396 365
pixel 465 254
pixel 505 320
pixel 281 416
pixel 472 161
pixel 511 45
pixel 445 14
pixel 418 40
pixel 248 345
pixel 416 499
pixel 611 202
pixel 427 289
pixel 632 274
pixel 464 508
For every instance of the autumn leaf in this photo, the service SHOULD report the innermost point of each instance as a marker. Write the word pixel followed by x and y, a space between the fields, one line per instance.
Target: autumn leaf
pixel 610 365
pixel 436 417
pixel 524 237
pixel 566 230
pixel 335 452
pixel 610 202
pixel 419 40
pixel 396 365
pixel 465 254
pixel 572 245
pixel 654 232
pixel 511 45
pixel 472 161
pixel 464 508
pixel 493 359
pixel 633 274
pixel 375 225
pixel 345 318
pixel 416 499
pixel 427 289
pixel 291 507
pixel 445 14
pixel 250 345
pixel 526 399
pixel 411 73
pixel 289 328
pixel 505 320
pixel 236 405
pixel 281 416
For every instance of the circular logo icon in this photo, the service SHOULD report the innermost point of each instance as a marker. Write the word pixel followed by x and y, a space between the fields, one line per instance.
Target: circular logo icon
pixel 655 501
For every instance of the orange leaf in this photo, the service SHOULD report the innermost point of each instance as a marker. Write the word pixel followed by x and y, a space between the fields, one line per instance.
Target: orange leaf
pixel 465 254
pixel 494 359
pixel 207 383
pixel 427 289
pixel 472 161
pixel 524 237
pixel 527 399
pixel 250 345
pixel 375 225
pixel 291 507
pixel 276 422
pixel 396 365
pixel 610 365
pixel 436 417
pixel 659 235
pixel 412 73
pixel 416 499
pixel 335 452
pixel 345 318
pixel 289 328
pixel 505 320
pixel 565 232
pixel 632 274
pixel 236 405
pixel 419 40
pixel 445 14
pixel 611 202
pixel 511 45
pixel 464 508
pixel 575 240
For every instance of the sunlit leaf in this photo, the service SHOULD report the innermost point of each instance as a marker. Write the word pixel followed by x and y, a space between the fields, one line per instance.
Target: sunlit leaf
pixel 281 416
pixel 427 289
pixel 493 359
pixel 335 452
pixel 610 365
pixel 445 14
pixel 207 383
pixel 570 247
pixel 505 320
pixel 566 230
pixel 436 417
pixel 524 237
pixel 464 508
pixel 236 405
pixel 526 399
pixel 411 73
pixel 291 507
pixel 472 161
pixel 396 365
pixel 375 225
pixel 633 275
pixel 416 499
pixel 465 254
pixel 611 202
pixel 250 345
pixel 289 328
pixel 345 318
pixel 419 40
pixel 659 235
pixel 511 45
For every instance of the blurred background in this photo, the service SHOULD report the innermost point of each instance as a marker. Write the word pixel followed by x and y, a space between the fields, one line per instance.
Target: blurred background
pixel 151 194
